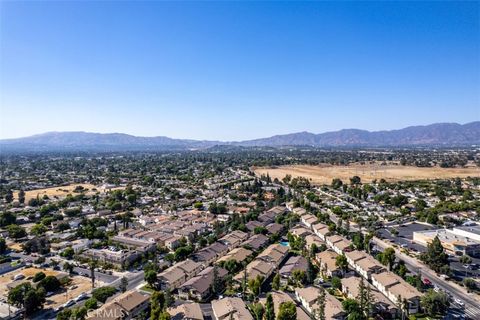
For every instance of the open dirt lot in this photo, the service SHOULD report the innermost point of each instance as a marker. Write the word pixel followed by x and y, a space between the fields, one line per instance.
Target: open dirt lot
pixel 61 192
pixel 6 278
pixel 323 174
pixel 78 284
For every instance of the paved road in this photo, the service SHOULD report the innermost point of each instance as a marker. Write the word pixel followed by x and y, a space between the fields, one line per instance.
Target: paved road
pixel 471 302
pixel 104 277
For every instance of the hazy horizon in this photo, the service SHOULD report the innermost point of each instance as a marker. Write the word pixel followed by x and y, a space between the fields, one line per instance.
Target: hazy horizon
pixel 193 138
pixel 235 71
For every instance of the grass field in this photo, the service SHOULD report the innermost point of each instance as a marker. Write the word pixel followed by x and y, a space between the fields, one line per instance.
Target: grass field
pixel 323 174
pixel 60 192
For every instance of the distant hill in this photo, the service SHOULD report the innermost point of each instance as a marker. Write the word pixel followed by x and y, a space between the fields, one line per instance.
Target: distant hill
pixel 439 134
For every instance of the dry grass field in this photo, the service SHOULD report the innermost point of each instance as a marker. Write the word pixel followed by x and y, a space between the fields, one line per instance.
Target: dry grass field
pixel 60 192
pixel 323 174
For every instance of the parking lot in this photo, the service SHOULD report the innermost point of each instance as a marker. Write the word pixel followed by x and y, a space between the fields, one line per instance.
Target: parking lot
pixel 404 238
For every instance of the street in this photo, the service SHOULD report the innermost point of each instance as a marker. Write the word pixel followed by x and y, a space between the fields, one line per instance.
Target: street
pixel 471 303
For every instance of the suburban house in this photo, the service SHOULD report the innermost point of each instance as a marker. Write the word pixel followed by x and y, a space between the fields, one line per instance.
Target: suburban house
pixel 234 239
pixel 280 297
pixel 326 260
pixel 396 289
pixel 321 230
pixel 126 306
pixel 363 263
pixel 199 287
pixel 300 231
pixel 308 297
pixel 237 254
pixel 176 275
pixel 292 264
pixel 380 303
pixel 256 268
pixel 308 220
pixel 312 239
pixel 186 311
pixel 338 243
pixel 230 308
pixel 210 254
pixel 300 211
pixel 274 253
pixel 256 242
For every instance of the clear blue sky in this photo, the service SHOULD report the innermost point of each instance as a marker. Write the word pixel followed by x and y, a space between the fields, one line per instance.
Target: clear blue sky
pixel 236 70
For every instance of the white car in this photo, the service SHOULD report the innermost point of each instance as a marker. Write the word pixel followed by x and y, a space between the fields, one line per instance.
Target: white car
pixel 459 302
pixel 69 303
pixel 82 296
pixel 18 277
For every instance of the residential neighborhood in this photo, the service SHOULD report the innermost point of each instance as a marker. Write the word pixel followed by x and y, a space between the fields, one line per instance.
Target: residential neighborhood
pixel 194 238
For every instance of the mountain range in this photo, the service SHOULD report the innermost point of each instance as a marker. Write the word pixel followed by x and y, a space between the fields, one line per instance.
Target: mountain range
pixel 438 134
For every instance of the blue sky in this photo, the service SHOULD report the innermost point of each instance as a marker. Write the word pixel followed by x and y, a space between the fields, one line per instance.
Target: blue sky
pixel 236 70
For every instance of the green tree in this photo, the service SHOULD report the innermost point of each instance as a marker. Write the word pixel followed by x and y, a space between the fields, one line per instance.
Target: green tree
pixel 93 265
pixel 387 258
pixel 276 282
pixel 336 283
pixel 68 267
pixel 38 276
pixel 7 218
pixel 352 307
pixel 255 285
pixel 50 284
pixel 103 293
pixel 435 256
pixel 3 246
pixel 151 278
pixel 355 180
pixel 465 259
pixel 269 309
pixel 25 296
pixel 299 276
pixel 9 196
pixel 435 302
pixel 470 284
pixel 164 316
pixel 342 262
pixel 123 284
pixel 321 300
pixel 217 283
pixel 287 311
pixel 38 229
pixel 258 311
pixel 169 299
pixel 66 314
pixel 91 303
pixel 21 196
pixel 157 304
pixel 16 232
pixel 68 253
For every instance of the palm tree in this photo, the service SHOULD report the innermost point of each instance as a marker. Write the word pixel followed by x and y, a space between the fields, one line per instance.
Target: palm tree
pixel 93 265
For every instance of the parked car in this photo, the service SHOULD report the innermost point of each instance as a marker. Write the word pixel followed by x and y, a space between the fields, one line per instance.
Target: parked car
pixel 18 277
pixel 57 309
pixel 69 303
pixel 459 302
pixel 82 296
